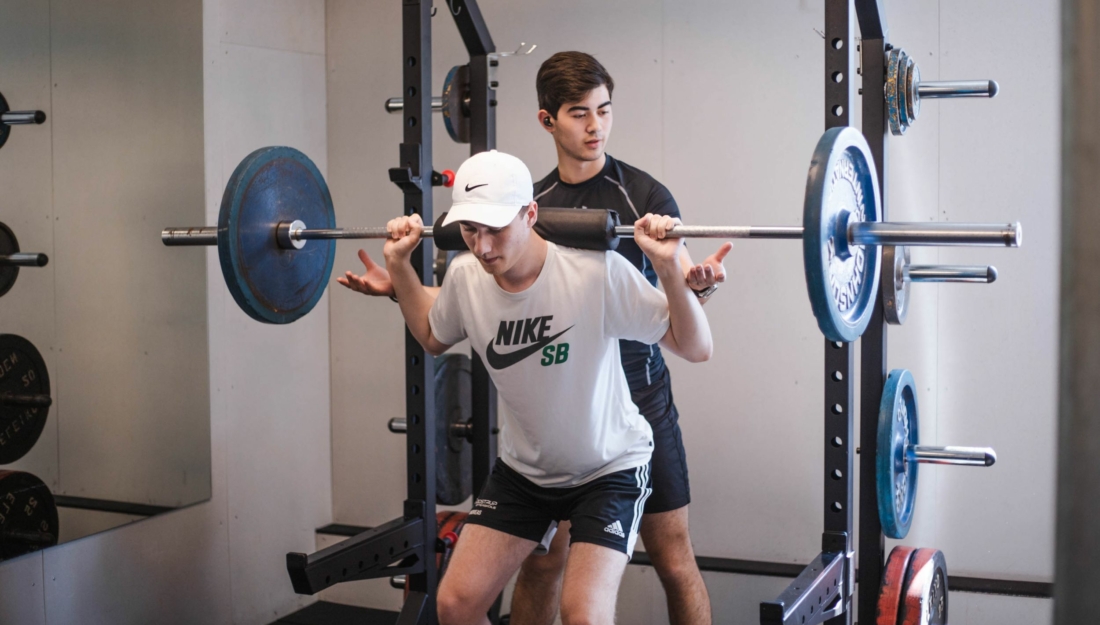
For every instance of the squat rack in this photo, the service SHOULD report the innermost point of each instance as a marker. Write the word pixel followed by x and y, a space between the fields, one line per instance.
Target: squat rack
pixel 407 545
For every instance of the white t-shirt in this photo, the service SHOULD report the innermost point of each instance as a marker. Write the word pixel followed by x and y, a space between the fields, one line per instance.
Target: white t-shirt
pixel 553 352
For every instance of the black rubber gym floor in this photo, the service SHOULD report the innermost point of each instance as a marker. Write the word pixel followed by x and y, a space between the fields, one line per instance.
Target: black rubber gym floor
pixel 325 613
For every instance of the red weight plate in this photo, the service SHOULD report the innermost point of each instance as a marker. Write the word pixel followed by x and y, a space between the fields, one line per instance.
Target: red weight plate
pixel 893 581
pixel 924 601
pixel 446 523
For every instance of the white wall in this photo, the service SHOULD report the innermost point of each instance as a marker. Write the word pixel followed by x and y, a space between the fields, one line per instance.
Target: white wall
pixel 722 101
pixel 223 561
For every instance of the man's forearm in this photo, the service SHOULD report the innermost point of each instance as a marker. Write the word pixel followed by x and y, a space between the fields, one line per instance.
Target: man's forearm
pixel 415 301
pixel 689 325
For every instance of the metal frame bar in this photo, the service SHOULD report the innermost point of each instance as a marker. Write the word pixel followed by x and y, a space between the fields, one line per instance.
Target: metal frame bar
pixel 390 549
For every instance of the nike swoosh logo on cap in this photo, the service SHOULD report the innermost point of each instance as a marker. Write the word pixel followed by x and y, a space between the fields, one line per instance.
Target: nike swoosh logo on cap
pixel 503 361
pixel 469 188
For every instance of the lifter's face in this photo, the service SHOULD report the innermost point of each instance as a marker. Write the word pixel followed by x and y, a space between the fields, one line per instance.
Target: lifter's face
pixel 581 129
pixel 499 249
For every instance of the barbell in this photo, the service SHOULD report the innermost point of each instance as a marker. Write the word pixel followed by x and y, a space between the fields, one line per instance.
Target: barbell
pixel 904 90
pixel 11 259
pixel 9 118
pixel 900 454
pixel 276 200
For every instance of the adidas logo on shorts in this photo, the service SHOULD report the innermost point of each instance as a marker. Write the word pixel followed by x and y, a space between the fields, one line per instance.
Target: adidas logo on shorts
pixel 615 528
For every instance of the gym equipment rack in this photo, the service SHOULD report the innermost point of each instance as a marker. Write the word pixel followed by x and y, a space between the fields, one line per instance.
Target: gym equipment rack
pixel 407 545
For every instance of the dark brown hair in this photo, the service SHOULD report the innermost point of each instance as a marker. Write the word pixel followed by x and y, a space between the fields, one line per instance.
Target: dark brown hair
pixel 568 77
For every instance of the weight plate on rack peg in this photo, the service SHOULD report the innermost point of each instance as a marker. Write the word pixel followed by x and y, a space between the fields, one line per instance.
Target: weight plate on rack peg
pixel 456 114
pixel 912 91
pixel 28 515
pixel 893 584
pixel 924 601
pixel 5 130
pixel 895 90
pixel 841 189
pixel 8 245
pixel 896 473
pixel 24 397
pixel 895 287
pixel 454 409
pixel 269 283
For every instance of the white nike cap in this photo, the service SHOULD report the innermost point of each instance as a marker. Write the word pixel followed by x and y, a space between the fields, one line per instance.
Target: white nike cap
pixel 490 188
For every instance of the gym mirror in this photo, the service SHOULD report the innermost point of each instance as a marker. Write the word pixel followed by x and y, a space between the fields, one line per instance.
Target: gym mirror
pixel 110 422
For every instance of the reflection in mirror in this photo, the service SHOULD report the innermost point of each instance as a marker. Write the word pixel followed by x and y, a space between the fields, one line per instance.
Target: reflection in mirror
pixel 104 367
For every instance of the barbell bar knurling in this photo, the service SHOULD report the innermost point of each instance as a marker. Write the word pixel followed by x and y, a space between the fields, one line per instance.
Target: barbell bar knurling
pixel 958 89
pixel 289 234
pixel 396 105
pixel 958 456
pixel 981 274
pixel 22 118
pixel 23 260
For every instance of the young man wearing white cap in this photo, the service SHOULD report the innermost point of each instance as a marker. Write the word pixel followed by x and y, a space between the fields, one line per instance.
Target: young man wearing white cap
pixel 547 320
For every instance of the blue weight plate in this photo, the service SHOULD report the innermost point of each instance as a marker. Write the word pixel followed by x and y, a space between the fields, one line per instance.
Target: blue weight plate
pixel 841 188
pixel 895 473
pixel 271 284
pixel 895 93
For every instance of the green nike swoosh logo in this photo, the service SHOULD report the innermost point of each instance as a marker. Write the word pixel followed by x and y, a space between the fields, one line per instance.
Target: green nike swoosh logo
pixel 503 361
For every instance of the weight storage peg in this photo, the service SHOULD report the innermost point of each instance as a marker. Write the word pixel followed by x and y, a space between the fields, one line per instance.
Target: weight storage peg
pixel 898 274
pixel 9 118
pixel 900 454
pixel 904 90
pixel 11 259
pixel 276 201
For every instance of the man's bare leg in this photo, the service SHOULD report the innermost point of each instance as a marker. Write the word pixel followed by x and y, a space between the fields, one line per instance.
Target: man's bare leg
pixel 668 544
pixel 538 587
pixel 592 577
pixel 482 563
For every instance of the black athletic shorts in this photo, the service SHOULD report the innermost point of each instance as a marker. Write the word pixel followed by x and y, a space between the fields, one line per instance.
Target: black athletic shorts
pixel 671 489
pixel 606 511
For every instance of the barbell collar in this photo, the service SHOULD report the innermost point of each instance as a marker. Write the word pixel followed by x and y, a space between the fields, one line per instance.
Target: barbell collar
pixel 958 89
pixel 24 260
pixel 29 400
pixel 22 118
pixel 398 425
pixel 204 235
pixel 952 273
pixel 396 105
pixel 958 456
pixel 935 234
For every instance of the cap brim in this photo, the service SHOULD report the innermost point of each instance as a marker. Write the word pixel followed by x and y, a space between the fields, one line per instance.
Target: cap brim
pixel 491 215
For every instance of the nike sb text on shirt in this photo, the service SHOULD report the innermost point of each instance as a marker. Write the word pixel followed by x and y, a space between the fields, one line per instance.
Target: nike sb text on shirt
pixel 553 352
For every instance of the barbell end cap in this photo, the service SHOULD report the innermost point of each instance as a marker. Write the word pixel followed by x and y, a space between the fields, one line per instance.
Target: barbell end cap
pixel 990 274
pixel 994 88
pixel 39 117
pixel 41 260
pixel 990 457
pixel 1017 236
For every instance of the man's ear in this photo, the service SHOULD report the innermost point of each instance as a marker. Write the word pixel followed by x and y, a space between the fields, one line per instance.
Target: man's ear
pixel 546 120
pixel 532 214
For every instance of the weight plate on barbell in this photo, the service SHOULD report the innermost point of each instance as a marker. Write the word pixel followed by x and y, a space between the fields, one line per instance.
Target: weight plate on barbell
pixel 454 409
pixel 23 373
pixel 896 474
pixel 895 98
pixel 5 130
pixel 895 286
pixel 272 284
pixel 28 515
pixel 8 245
pixel 841 188
pixel 924 601
pixel 912 90
pixel 456 118
pixel 894 577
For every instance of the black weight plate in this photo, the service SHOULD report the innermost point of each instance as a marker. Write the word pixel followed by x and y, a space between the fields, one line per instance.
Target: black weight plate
pixel 8 245
pixel 456 115
pixel 271 284
pixel 28 515
pixel 924 601
pixel 5 130
pixel 895 284
pixel 454 407
pixel 22 373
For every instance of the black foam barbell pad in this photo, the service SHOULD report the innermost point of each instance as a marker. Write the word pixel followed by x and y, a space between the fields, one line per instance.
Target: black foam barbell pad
pixel 586 229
